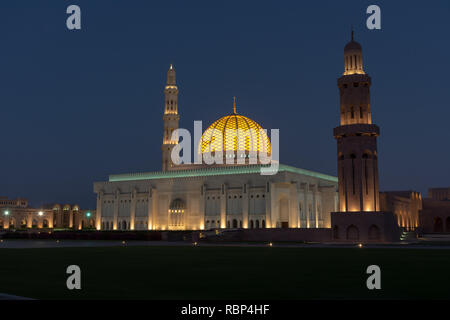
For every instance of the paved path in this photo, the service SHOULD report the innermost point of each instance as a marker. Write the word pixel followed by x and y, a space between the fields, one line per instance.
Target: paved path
pixel 29 244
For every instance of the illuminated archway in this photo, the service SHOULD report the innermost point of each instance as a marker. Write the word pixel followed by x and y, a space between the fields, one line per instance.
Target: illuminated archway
pixel 176 214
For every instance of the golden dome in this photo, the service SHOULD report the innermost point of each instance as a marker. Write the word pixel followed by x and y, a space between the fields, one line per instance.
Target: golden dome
pixel 235 133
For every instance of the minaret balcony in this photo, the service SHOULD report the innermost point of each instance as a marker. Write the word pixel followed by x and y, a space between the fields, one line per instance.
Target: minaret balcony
pixel 356 129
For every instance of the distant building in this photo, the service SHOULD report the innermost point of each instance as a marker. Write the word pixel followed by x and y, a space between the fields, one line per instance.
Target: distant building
pixel 405 205
pixel 17 214
pixel 439 194
pixel 16 203
pixel 435 214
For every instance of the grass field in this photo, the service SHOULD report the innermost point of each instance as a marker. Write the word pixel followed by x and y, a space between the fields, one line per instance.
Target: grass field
pixel 225 273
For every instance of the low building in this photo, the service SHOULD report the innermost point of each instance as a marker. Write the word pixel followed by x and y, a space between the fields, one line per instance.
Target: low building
pixel 405 205
pixel 439 194
pixel 207 198
pixel 435 214
pixel 18 214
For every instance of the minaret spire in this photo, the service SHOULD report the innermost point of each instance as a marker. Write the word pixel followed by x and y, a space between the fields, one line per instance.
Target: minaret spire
pixel 170 119
pixel 234 105
pixel 356 137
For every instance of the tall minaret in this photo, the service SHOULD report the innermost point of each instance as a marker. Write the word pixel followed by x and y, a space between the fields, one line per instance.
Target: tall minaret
pixel 170 119
pixel 356 137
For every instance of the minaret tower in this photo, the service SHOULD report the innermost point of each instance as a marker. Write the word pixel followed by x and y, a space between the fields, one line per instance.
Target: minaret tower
pixel 170 119
pixel 356 137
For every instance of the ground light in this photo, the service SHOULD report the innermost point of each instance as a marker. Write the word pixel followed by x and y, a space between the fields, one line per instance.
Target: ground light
pixel 270 244
pixel 360 245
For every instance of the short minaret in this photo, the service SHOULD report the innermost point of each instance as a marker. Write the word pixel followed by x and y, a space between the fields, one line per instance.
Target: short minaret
pixel 170 119
pixel 356 137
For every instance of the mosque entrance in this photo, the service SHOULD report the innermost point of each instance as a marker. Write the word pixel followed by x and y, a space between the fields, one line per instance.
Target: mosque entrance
pixel 284 212
pixel 176 214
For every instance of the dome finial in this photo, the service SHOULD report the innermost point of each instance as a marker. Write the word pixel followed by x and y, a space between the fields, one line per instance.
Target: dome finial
pixel 234 105
pixel 352 32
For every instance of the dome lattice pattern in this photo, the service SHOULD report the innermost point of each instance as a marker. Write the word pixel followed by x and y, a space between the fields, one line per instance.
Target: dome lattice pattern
pixel 235 133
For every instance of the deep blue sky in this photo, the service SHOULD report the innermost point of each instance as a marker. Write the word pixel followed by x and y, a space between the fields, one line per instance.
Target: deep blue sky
pixel 79 105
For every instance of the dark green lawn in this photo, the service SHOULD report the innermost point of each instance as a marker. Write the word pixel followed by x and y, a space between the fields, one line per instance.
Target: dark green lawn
pixel 225 273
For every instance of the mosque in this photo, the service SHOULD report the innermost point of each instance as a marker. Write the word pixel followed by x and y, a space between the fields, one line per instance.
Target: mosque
pixel 228 195
pixel 233 187
pixel 237 196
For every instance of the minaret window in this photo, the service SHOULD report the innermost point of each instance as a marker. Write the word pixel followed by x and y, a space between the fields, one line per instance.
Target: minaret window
pixel 360 112
pixel 366 175
pixel 353 157
pixel 352 112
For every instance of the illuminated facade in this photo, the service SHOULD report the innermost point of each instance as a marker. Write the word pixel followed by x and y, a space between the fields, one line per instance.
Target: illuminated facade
pixel 17 214
pixel 202 196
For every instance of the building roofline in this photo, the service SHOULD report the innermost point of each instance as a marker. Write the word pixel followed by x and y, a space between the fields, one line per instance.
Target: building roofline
pixel 215 171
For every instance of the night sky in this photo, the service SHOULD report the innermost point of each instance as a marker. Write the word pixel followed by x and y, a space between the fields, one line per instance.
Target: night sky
pixel 79 105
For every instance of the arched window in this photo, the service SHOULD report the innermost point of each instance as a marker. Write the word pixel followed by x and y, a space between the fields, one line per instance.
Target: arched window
pixel 366 156
pixel 257 224
pixel 374 232
pixel 251 224
pixel 352 233
pixel 45 223
pixel 235 223
pixel 263 224
pixel 336 232
pixel 352 112
pixel 176 211
pixel 124 225
pixel 438 225
pixel 353 157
